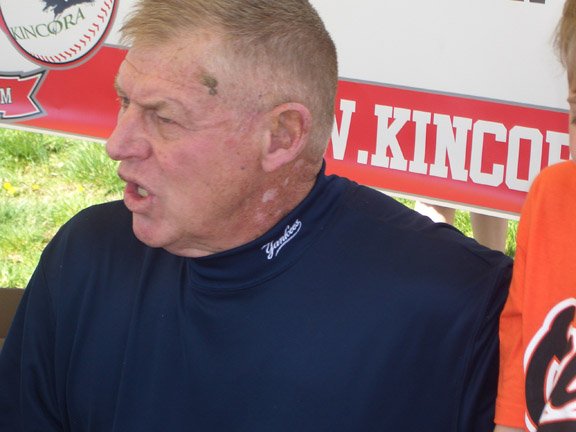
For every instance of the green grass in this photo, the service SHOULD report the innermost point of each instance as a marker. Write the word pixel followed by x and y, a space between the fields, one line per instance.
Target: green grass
pixel 45 180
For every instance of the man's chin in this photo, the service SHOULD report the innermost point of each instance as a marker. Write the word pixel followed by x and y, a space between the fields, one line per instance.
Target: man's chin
pixel 146 233
pixel 152 235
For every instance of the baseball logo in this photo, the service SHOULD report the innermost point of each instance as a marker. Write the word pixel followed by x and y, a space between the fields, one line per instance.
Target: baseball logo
pixel 57 33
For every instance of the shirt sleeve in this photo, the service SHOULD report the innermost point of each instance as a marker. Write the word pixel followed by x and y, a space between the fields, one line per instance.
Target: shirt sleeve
pixel 510 401
pixel 510 405
pixel 27 382
pixel 480 382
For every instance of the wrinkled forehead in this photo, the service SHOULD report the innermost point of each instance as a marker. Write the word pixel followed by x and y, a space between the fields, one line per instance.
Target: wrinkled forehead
pixel 184 62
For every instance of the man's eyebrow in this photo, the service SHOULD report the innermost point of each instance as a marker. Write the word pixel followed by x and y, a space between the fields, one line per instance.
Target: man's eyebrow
pixel 151 105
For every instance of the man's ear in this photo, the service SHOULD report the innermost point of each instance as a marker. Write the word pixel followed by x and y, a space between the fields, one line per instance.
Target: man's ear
pixel 288 135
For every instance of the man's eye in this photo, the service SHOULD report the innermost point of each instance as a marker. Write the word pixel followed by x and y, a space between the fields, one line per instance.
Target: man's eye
pixel 123 101
pixel 165 120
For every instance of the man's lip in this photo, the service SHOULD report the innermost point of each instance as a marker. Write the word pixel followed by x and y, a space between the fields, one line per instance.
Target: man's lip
pixel 135 188
pixel 132 183
pixel 132 196
pixel 125 178
pixel 135 202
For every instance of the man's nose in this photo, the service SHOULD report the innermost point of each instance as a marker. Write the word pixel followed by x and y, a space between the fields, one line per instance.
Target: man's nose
pixel 128 139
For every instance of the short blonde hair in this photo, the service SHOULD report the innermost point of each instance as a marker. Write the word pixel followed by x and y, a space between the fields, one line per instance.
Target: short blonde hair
pixel 275 46
pixel 565 39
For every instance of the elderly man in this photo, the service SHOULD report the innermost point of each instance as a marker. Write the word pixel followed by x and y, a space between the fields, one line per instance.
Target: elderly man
pixel 238 287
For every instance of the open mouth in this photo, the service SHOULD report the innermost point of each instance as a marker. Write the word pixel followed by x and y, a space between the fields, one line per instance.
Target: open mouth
pixel 141 191
pixel 136 192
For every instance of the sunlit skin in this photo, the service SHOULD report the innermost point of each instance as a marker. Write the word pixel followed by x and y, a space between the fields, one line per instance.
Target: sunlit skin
pixel 572 125
pixel 192 157
pixel 500 428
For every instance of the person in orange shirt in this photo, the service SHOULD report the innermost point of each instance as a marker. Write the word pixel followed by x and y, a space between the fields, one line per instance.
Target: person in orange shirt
pixel 537 383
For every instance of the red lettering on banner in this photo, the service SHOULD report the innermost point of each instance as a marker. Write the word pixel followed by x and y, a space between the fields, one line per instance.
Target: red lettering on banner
pixel 17 96
pixel 475 152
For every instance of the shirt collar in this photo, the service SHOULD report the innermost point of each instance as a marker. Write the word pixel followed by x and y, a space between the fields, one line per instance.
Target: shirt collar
pixel 279 248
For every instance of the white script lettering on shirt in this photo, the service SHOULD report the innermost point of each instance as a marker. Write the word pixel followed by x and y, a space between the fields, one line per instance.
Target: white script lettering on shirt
pixel 273 248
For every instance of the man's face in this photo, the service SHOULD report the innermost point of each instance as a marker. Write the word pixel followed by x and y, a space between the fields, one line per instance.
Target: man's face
pixel 188 153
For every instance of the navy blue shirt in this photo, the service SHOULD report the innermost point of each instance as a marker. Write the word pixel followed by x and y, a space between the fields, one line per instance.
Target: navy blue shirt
pixel 353 313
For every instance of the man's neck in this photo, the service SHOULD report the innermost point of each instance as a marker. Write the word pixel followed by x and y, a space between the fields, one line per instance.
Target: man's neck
pixel 276 198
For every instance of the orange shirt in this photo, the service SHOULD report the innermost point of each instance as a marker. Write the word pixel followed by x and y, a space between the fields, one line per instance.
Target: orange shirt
pixel 537 326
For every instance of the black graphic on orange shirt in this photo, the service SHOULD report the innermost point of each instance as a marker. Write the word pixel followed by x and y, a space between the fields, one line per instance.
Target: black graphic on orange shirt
pixel 555 348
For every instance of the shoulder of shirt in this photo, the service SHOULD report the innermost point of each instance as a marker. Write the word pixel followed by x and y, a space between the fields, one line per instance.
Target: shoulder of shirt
pixel 551 187
pixel 556 175
pixel 391 216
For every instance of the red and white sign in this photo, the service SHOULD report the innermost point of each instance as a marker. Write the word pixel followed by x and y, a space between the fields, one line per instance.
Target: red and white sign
pixel 457 101
pixel 449 148
pixel 17 96
pixel 57 33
